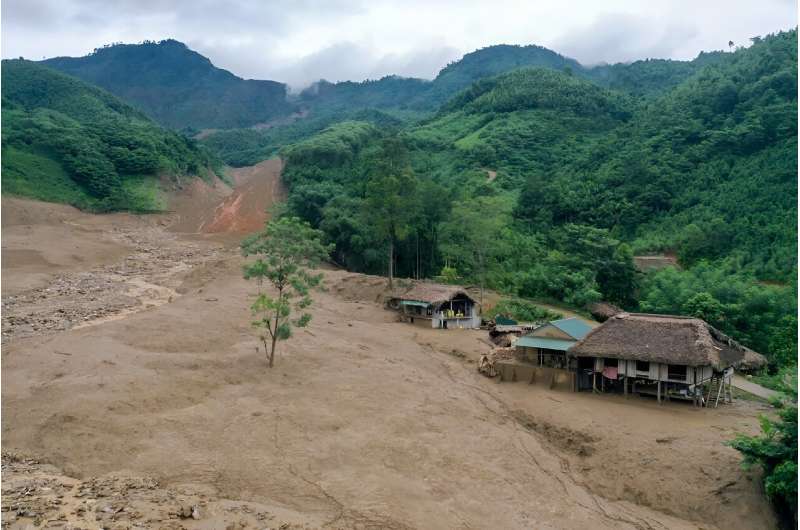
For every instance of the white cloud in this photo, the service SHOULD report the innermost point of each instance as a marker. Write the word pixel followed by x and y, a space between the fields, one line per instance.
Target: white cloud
pixel 304 40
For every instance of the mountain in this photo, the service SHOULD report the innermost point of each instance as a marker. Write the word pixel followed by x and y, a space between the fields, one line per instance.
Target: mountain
pixel 395 99
pixel 544 182
pixel 178 87
pixel 650 76
pixel 491 61
pixel 388 92
pixel 67 141
pixel 639 78
pixel 181 89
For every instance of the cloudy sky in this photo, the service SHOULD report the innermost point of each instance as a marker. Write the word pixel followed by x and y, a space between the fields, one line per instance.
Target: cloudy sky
pixel 299 41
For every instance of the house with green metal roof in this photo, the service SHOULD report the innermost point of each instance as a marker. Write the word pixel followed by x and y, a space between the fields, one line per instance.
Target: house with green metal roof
pixel 547 345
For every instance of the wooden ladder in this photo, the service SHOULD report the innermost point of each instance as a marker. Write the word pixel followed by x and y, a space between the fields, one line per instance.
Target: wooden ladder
pixel 714 387
pixel 716 390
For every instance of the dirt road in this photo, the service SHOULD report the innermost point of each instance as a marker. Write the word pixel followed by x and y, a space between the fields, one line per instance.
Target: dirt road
pixel 753 388
pixel 363 423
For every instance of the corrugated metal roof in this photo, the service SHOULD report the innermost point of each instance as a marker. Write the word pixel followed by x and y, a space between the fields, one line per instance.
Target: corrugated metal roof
pixel 543 342
pixel 414 302
pixel 574 327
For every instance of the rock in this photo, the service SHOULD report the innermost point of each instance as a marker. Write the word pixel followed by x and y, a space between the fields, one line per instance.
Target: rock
pixel 189 511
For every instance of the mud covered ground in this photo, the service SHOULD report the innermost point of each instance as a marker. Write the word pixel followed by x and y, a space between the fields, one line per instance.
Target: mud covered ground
pixel 135 394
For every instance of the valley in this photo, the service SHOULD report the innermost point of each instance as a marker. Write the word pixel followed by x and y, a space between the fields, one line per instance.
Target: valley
pixel 138 389
pixel 163 406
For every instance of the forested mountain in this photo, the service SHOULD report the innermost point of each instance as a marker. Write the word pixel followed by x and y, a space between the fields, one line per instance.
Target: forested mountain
pixel 650 76
pixel 543 183
pixel 388 92
pixel 67 141
pixel 178 87
pixel 491 61
pixel 639 78
pixel 400 99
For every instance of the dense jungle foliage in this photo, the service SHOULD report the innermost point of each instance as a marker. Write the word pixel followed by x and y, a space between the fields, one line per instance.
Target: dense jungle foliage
pixel 775 450
pixel 245 147
pixel 178 87
pixel 66 141
pixel 542 183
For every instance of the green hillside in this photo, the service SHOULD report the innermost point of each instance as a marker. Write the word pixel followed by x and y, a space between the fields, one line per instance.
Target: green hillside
pixel 411 100
pixel 67 141
pixel 640 78
pixel 245 147
pixel 178 87
pixel 543 183
pixel 181 89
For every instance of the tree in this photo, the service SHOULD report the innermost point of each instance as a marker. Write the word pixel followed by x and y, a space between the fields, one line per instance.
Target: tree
pixel 473 235
pixel 391 197
pixel 703 305
pixel 775 450
pixel 285 251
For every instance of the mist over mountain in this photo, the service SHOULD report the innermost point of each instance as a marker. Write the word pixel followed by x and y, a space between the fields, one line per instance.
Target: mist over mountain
pixel 180 88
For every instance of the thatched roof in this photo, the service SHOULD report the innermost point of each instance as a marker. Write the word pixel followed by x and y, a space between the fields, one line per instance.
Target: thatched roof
pixel 665 339
pixel 602 311
pixel 432 293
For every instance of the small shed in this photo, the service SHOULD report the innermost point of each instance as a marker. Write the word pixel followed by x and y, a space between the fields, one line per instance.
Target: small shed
pixel 666 355
pixel 547 345
pixel 437 306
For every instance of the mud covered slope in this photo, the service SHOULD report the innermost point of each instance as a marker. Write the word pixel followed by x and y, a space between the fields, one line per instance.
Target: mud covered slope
pixel 364 421
pixel 240 210
pixel 138 376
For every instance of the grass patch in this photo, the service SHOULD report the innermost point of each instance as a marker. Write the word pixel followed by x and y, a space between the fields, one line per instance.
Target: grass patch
pixel 521 310
pixel 144 194
pixel 36 176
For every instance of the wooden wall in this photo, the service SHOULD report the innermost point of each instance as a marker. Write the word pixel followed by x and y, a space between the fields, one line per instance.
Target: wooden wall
pixel 657 371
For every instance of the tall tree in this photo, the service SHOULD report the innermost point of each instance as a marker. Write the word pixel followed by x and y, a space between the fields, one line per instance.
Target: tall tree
pixel 391 197
pixel 285 252
pixel 473 235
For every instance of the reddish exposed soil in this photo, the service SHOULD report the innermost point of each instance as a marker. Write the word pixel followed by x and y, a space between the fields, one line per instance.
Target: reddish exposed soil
pixel 245 210
pixel 212 209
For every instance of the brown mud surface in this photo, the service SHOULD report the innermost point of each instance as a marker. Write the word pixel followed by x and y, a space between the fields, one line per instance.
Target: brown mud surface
pixel 655 262
pixel 153 401
pixel 209 209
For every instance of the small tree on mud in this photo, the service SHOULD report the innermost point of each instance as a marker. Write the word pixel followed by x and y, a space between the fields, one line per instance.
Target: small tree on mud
pixel 284 251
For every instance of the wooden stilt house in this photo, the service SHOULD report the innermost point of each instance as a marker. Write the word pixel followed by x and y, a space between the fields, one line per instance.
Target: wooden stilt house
pixel 664 355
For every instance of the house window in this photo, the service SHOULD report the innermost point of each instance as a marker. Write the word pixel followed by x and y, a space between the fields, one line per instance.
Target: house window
pixel 642 366
pixel 610 362
pixel 677 372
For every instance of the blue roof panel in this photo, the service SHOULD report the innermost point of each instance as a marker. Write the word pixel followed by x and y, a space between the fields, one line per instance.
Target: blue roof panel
pixel 574 327
pixel 544 342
